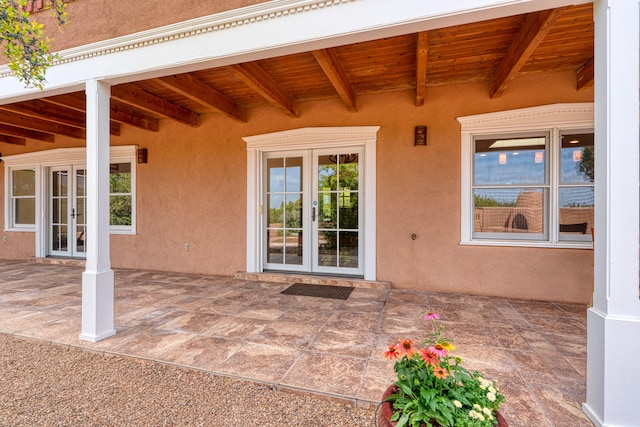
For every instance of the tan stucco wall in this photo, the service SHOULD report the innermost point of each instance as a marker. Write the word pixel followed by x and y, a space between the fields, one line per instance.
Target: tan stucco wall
pixel 193 190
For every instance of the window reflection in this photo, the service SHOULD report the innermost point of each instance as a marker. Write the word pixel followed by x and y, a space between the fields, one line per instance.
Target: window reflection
pixel 576 192
pixel 284 211
pixel 510 193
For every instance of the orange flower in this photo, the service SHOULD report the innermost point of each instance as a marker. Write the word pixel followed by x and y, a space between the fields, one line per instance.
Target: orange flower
pixel 440 372
pixel 406 347
pixel 392 353
pixel 430 358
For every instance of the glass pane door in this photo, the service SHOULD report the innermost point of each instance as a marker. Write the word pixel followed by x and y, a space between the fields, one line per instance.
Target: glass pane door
pixel 337 231
pixel 284 213
pixel 67 211
pixel 79 213
pixel 59 212
pixel 312 214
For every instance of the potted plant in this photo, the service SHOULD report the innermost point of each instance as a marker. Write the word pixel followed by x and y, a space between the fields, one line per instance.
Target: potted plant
pixel 433 389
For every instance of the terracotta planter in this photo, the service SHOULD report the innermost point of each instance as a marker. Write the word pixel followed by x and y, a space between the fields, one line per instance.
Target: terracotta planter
pixel 385 411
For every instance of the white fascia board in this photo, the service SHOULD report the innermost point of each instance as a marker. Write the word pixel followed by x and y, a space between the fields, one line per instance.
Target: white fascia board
pixel 273 28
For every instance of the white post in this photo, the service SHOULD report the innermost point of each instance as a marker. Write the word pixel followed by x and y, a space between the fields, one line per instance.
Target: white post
pixel 613 323
pixel 97 279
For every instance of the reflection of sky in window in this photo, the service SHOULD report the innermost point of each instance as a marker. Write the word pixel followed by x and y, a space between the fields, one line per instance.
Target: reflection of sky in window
pixel 519 168
pixel 576 197
pixel 277 179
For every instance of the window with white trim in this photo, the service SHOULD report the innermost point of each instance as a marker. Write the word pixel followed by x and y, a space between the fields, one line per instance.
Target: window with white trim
pixel 22 198
pixel 25 186
pixel 527 177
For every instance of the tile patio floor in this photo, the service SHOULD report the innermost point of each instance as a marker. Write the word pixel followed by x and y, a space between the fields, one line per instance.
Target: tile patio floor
pixel 247 329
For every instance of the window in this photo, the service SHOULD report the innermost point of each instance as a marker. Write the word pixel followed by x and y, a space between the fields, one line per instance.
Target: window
pixel 22 209
pixel 527 177
pixel 26 188
pixel 121 197
pixel 510 186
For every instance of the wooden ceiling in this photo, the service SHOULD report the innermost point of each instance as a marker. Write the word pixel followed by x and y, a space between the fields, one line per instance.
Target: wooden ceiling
pixel 495 52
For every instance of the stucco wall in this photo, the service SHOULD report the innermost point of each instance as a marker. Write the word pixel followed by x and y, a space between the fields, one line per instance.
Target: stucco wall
pixel 193 190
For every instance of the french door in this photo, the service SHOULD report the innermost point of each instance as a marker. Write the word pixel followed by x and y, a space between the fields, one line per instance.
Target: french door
pixel 313 211
pixel 67 211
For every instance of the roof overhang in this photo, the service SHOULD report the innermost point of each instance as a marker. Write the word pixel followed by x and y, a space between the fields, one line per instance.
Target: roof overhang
pixel 274 28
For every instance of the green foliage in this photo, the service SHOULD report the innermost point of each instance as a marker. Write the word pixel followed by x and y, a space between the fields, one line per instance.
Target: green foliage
pixel 486 201
pixel 120 205
pixel 585 167
pixel 24 42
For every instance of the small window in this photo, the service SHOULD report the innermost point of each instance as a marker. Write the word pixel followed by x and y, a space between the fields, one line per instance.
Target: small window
pixel 576 191
pixel 23 198
pixel 121 196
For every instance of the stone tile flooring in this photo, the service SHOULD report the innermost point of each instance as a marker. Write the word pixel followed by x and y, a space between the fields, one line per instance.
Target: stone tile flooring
pixel 247 329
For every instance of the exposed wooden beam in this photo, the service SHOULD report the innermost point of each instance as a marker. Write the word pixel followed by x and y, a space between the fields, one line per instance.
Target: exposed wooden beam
pixel 197 91
pixel 25 133
pixel 120 113
pixel 54 113
pixel 123 113
pixel 330 63
pixel 12 140
pixel 75 101
pixel 535 27
pixel 138 98
pixel 27 122
pixel 584 75
pixel 422 52
pixel 260 81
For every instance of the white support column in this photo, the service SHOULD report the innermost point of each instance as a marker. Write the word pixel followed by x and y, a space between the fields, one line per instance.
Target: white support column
pixel 613 323
pixel 97 279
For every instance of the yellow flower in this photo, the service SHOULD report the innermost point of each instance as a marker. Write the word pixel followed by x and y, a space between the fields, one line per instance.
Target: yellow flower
pixel 448 345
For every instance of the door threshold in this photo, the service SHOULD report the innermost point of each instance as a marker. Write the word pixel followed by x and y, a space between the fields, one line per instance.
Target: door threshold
pixel 77 262
pixel 312 279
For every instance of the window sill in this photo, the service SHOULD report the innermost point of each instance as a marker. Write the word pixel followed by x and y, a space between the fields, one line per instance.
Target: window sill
pixel 525 244
pixel 20 230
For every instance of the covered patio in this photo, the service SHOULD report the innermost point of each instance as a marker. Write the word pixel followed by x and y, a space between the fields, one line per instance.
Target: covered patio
pixel 249 330
pixel 193 110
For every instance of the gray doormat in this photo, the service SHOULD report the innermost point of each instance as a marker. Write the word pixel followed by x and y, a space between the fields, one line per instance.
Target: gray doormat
pixel 321 291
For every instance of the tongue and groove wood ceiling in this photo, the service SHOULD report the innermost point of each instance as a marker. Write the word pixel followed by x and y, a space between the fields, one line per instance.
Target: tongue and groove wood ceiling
pixel 495 52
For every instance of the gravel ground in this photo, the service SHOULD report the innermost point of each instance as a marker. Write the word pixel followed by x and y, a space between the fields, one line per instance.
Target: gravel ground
pixel 49 385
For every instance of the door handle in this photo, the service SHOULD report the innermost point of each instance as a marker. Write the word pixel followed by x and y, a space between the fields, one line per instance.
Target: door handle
pixel 73 213
pixel 313 214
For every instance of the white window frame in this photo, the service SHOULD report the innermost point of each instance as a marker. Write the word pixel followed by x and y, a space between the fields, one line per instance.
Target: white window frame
pixel 40 161
pixel 554 119
pixel 9 214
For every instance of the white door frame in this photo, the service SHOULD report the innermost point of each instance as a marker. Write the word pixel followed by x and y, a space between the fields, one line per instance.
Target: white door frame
pixel 311 138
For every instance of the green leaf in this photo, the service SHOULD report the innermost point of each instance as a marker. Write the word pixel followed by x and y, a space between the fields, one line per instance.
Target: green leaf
pixel 403 420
